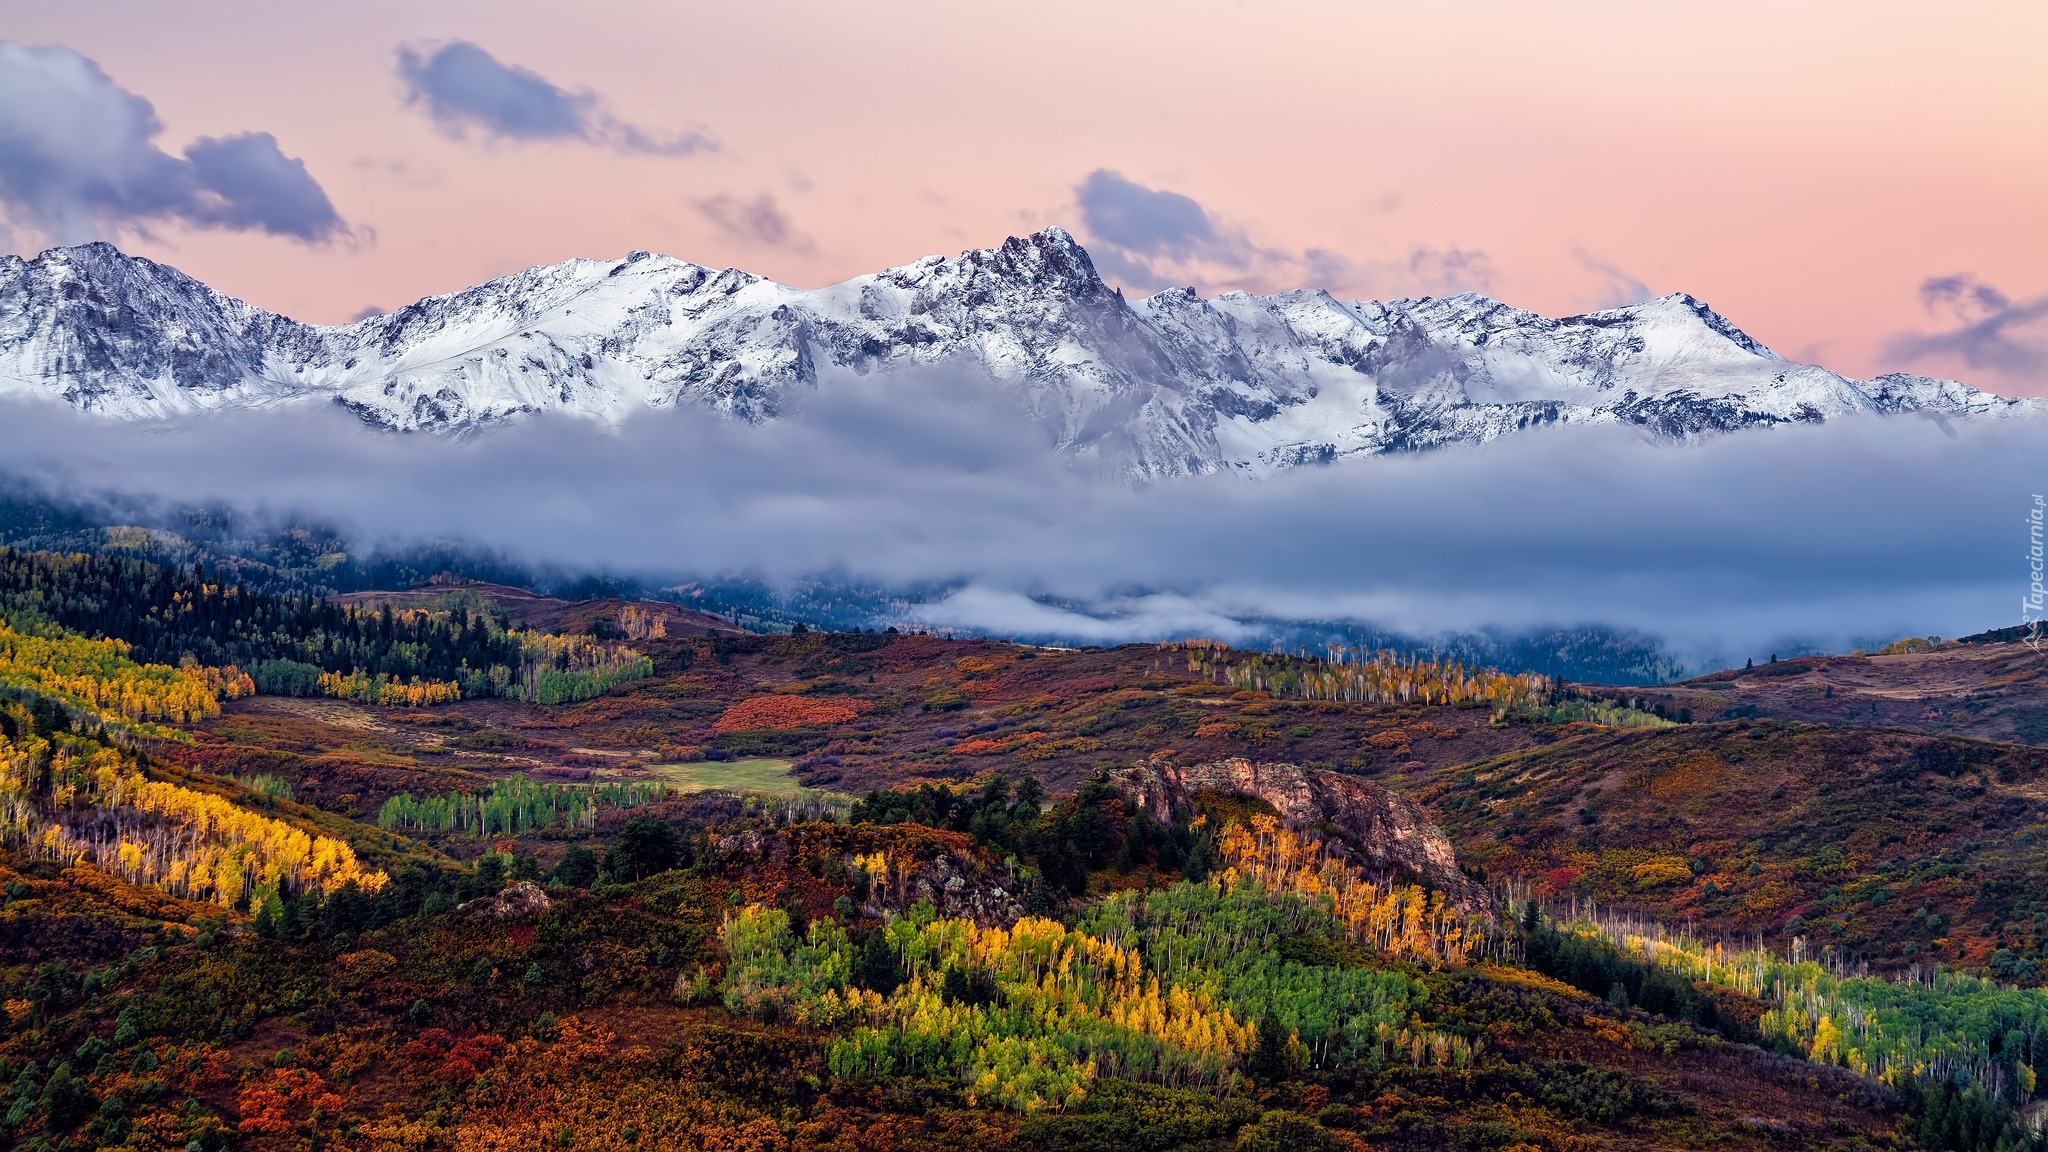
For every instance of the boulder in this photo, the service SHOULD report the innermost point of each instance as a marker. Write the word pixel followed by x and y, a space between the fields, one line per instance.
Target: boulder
pixel 522 899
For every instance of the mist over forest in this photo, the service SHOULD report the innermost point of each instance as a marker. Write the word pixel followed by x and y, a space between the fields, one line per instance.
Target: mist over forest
pixel 920 501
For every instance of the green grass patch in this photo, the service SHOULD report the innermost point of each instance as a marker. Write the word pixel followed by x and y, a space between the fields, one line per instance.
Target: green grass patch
pixel 756 775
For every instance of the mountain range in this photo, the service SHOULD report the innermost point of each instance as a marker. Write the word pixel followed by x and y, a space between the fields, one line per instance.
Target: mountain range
pixel 1172 384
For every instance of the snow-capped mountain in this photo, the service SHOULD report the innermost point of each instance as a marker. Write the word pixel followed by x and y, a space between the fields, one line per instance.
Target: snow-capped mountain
pixel 1168 385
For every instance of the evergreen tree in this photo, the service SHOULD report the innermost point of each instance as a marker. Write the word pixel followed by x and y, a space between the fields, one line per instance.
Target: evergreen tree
pixel 578 868
pixel 267 916
pixel 1269 1062
pixel 66 1099
pixel 645 847
pixel 877 970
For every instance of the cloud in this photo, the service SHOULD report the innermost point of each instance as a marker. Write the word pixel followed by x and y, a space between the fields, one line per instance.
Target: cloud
pixel 1149 221
pixel 1424 271
pixel 464 88
pixel 1750 543
pixel 1448 270
pixel 760 221
pixel 1152 238
pixel 1992 331
pixel 1962 294
pixel 1148 238
pixel 79 162
pixel 1618 288
pixel 255 185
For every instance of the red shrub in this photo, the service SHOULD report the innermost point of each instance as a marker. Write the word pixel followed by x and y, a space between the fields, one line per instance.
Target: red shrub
pixel 461 1058
pixel 787 712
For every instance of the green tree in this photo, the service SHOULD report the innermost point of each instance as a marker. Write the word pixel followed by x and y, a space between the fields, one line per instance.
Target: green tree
pixel 66 1099
pixel 578 868
pixel 645 847
pixel 877 969
pixel 267 916
pixel 490 874
pixel 127 1027
pixel 1286 1132
pixel 1269 1062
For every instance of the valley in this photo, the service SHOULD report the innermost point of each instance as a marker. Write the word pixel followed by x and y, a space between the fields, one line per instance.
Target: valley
pixel 883 890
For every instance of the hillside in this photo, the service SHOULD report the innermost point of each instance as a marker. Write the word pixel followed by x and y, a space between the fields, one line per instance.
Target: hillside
pixel 863 711
pixel 690 888
pixel 1988 690
pixel 1886 846
pixel 557 1028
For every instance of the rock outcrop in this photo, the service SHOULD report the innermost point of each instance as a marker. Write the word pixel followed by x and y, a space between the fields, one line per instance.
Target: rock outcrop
pixel 921 864
pixel 961 887
pixel 520 900
pixel 1385 834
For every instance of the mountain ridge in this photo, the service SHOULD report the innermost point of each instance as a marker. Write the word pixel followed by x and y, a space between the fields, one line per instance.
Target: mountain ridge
pixel 1169 384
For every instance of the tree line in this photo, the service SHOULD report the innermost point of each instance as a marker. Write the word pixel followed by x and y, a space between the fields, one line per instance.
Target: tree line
pixel 300 645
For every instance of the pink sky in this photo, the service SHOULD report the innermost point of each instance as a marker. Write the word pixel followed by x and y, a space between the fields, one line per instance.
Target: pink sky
pixel 1802 167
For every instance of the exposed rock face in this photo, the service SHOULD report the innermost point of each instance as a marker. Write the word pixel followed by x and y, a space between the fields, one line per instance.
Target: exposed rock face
pixel 522 899
pixel 961 888
pixel 941 867
pixel 1387 834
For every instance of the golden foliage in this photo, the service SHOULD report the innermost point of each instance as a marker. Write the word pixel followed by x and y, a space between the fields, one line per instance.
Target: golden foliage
pixel 1660 870
pixel 192 844
pixel 99 676
pixel 642 624
pixel 415 693
pixel 1407 921
pixel 988 747
pixel 1353 675
pixel 1041 1048
pixel 1507 974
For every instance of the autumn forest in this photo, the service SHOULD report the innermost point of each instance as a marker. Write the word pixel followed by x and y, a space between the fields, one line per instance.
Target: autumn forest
pixel 454 866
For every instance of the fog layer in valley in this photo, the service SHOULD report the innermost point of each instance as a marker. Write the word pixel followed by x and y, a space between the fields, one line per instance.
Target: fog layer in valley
pixel 1826 535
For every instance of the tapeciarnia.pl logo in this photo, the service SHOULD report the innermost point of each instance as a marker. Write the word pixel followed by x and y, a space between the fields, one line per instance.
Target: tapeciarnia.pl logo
pixel 2034 605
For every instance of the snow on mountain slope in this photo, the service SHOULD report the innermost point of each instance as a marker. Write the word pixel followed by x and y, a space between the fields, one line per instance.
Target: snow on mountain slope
pixel 1163 386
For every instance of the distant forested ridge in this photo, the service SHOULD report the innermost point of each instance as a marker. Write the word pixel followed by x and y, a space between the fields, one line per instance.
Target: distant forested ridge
pixel 167 612
pixel 293 643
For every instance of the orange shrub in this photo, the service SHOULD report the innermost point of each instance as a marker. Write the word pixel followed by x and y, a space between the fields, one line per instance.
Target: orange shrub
pixel 987 747
pixel 786 712
pixel 283 1099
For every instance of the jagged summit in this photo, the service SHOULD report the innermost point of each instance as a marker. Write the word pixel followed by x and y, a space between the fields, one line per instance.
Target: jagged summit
pixel 1166 385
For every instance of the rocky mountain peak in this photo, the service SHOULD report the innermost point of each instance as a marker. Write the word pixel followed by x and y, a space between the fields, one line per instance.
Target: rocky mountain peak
pixel 1150 388
pixel 1686 304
